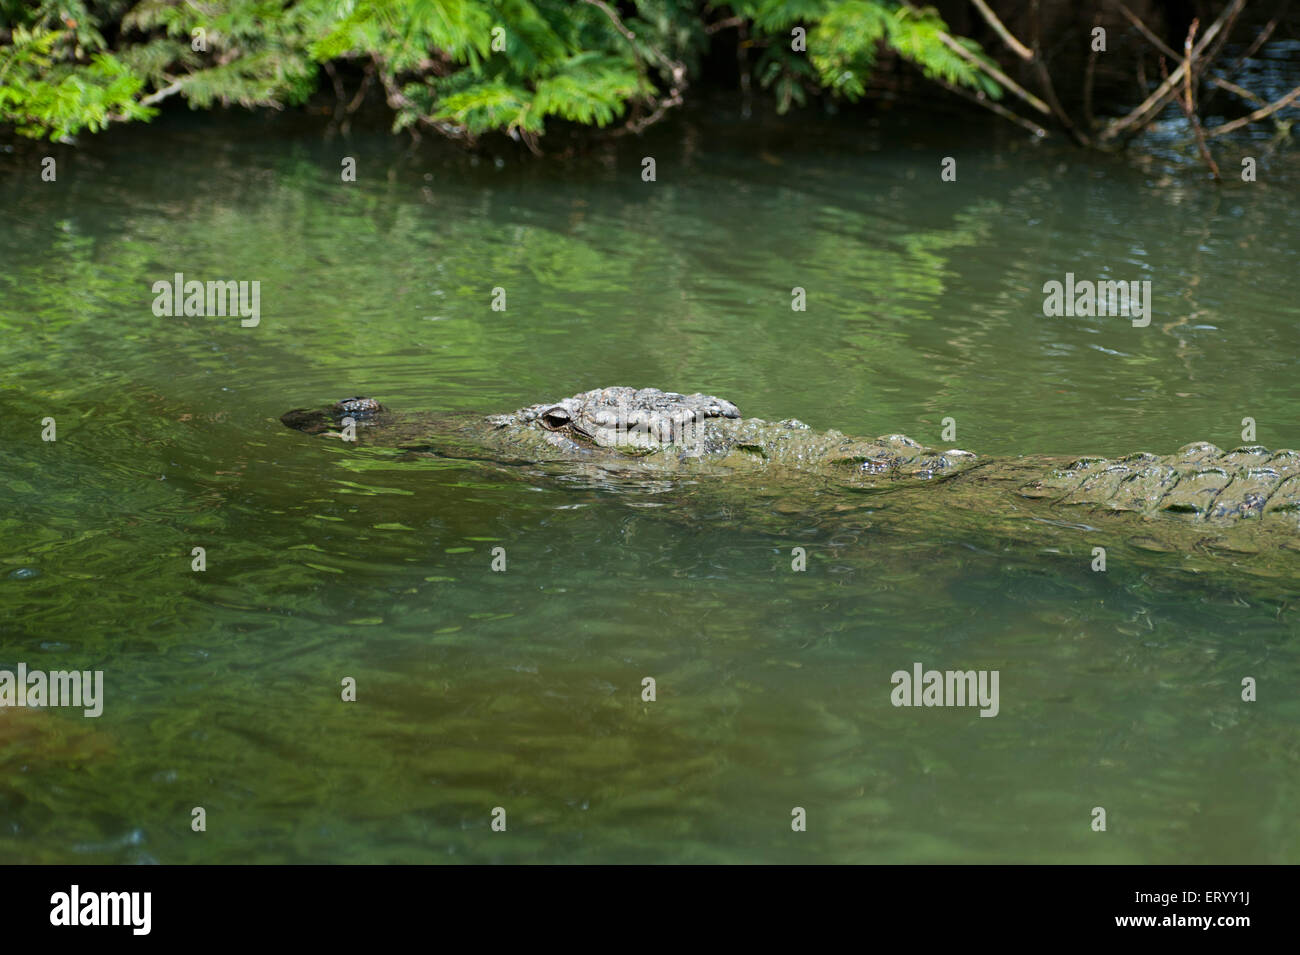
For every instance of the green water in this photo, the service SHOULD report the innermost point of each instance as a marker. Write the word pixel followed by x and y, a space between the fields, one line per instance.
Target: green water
pixel 522 689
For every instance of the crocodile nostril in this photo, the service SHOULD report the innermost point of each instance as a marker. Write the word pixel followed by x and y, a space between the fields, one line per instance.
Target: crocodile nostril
pixel 554 419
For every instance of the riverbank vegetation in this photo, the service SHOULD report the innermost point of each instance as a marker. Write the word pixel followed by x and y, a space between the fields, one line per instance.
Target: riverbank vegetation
pixel 471 68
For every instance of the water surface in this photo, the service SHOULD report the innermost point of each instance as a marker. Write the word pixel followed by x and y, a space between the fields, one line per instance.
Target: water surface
pixel 522 689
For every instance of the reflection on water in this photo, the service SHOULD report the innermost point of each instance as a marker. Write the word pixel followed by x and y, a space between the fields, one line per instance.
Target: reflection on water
pixel 522 689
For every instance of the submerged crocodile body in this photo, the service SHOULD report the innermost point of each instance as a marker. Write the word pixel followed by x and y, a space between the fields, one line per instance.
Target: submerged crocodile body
pixel 658 433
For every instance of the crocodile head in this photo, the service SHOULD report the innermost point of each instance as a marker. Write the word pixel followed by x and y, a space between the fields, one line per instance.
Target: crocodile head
pixel 636 421
pixel 316 421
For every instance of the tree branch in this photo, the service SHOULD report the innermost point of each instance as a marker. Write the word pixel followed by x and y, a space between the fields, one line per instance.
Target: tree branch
pixel 162 94
pixel 1254 47
pixel 994 72
pixel 1188 102
pixel 713 28
pixel 1236 90
pixel 981 98
pixel 988 68
pixel 992 20
pixel 613 18
pixel 1259 114
pixel 1263 36
pixel 1045 80
pixel 1142 28
pixel 1088 75
pixel 1149 108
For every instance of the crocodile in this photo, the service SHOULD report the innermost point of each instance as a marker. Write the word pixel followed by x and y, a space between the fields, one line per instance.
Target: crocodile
pixel 1239 498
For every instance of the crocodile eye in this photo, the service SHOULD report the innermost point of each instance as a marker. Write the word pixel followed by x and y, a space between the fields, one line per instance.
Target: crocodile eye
pixel 554 419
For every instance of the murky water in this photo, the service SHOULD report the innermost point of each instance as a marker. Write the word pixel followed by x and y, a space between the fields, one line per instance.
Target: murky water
pixel 522 689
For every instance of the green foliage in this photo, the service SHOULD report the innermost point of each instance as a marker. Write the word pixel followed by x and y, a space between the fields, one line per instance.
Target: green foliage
pixel 507 64
pixel 41 96
pixel 844 42
pixel 465 67
pixel 404 33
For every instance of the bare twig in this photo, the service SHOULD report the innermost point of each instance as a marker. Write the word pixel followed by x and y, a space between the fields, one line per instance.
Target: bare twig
pixel 1188 102
pixel 1000 29
pixel 1214 80
pixel 1149 108
pixel 988 68
pixel 1260 40
pixel 981 98
pixel 1217 46
pixel 1259 114
pixel 636 126
pixel 355 104
pixel 162 94
pixel 994 72
pixel 156 97
pixel 723 24
pixel 1142 28
pixel 1254 47
pixel 339 91
pixel 1236 90
pixel 613 18
pixel 530 140
pixel 397 100
pixel 1088 75
pixel 1045 80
